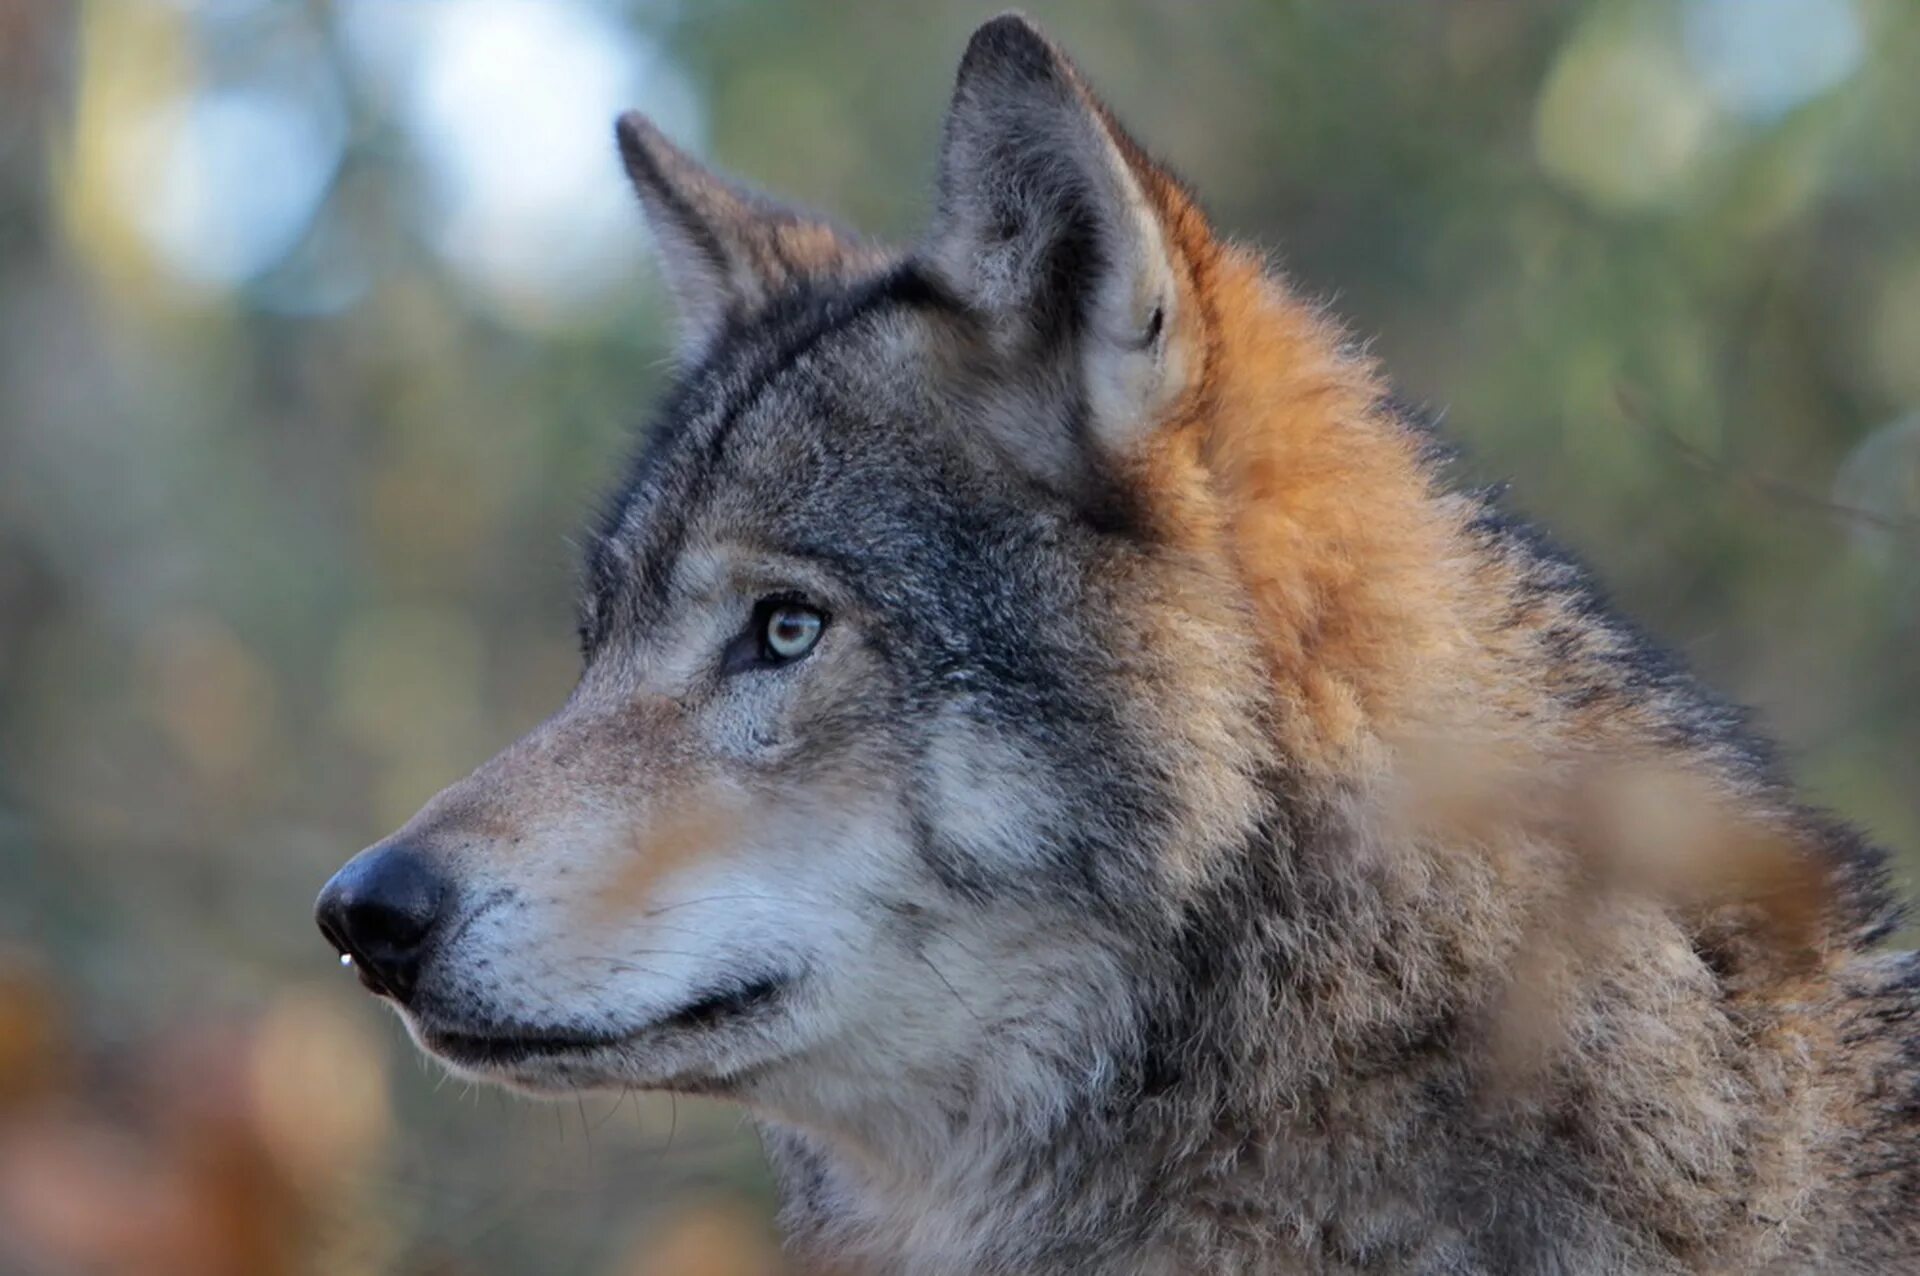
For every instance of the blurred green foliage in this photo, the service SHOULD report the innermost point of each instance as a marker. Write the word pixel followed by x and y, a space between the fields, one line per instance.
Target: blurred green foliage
pixel 318 339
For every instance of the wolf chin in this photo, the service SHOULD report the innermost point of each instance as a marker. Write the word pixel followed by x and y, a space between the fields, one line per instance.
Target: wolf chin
pixel 1053 748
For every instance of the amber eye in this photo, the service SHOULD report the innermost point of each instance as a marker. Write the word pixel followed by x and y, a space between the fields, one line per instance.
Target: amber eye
pixel 790 631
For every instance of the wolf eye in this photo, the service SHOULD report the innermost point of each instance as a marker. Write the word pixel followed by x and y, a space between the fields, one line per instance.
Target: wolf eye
pixel 791 630
pixel 781 632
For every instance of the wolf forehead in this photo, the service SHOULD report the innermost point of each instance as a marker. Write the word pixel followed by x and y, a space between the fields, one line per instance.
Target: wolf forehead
pixel 834 426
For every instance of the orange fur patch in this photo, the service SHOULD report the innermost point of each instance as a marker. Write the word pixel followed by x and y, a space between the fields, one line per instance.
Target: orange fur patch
pixel 1281 455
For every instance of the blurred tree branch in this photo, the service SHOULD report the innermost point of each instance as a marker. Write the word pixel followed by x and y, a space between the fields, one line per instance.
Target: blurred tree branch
pixel 1762 487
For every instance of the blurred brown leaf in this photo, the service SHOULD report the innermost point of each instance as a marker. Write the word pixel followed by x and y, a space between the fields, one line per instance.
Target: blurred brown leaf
pixel 707 1240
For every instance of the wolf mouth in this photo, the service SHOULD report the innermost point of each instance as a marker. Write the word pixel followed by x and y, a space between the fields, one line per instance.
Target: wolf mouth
pixel 511 1044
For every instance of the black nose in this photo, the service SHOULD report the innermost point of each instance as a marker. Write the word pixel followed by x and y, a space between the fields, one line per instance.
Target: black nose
pixel 379 910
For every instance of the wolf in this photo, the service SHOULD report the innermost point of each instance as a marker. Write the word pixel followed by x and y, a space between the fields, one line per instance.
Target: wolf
pixel 1053 746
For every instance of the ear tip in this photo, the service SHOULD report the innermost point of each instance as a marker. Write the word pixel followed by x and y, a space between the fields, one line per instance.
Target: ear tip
pixel 1010 24
pixel 652 159
pixel 1011 46
pixel 638 138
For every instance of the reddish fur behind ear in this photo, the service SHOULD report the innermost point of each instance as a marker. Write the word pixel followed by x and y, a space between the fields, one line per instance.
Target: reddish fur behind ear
pixel 1283 456
pixel 1331 516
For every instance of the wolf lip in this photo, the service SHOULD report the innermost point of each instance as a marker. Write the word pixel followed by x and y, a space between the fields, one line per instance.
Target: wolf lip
pixel 507 1048
pixel 727 1003
pixel 511 1045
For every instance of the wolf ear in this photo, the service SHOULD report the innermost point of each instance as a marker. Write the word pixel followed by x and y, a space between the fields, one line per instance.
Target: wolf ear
pixel 1050 221
pixel 725 250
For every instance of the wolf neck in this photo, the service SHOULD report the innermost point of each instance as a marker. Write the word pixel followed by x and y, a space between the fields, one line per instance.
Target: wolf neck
pixel 1292 1023
pixel 1348 552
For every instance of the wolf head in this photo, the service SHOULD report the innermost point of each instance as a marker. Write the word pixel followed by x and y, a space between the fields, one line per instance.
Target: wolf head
pixel 925 671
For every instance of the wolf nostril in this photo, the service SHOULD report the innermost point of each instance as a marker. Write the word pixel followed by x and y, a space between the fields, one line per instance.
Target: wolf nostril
pixel 380 909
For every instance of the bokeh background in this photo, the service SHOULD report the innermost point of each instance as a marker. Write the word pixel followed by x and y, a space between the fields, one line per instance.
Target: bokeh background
pixel 323 325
